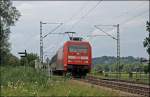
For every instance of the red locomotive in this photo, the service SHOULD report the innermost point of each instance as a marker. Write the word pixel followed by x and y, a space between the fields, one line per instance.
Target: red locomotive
pixel 74 57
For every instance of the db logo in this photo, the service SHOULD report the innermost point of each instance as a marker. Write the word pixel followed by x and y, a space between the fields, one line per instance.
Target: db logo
pixel 77 53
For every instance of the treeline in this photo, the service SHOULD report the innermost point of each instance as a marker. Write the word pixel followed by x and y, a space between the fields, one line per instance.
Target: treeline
pixel 127 64
pixel 8 17
pixel 113 60
pixel 122 68
pixel 29 60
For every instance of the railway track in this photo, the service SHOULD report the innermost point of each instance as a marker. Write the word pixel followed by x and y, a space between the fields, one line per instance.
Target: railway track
pixel 140 89
pixel 129 81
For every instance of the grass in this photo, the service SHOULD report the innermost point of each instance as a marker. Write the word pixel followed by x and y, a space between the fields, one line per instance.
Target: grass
pixel 26 81
pixel 137 77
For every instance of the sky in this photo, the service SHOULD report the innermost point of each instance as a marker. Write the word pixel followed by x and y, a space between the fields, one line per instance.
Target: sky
pixel 81 17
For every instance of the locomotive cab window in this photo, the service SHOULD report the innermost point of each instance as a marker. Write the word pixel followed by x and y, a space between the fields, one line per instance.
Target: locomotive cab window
pixel 78 48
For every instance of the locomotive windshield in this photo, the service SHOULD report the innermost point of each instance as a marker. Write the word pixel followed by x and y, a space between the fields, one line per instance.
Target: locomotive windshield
pixel 78 48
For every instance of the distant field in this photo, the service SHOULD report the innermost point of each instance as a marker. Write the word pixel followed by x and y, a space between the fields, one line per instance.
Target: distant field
pixel 137 77
pixel 20 81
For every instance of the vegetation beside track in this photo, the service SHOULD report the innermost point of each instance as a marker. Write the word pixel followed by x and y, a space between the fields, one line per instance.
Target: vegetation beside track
pixel 135 77
pixel 26 81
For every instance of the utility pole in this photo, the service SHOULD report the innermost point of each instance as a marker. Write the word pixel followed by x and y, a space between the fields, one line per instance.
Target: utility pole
pixel 42 37
pixel 118 50
pixel 0 40
pixel 118 44
pixel 41 44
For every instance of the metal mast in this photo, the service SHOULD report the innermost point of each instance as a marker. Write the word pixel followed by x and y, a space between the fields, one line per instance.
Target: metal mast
pixel 118 50
pixel 118 44
pixel 41 44
pixel 42 37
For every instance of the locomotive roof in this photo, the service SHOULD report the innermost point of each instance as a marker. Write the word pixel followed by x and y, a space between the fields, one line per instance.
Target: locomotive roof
pixel 72 41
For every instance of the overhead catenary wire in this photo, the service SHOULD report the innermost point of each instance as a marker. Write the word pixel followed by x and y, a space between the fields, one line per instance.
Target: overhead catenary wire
pixel 61 24
pixel 137 8
pixel 72 18
pixel 106 32
pixel 82 17
pixel 75 14
pixel 128 20
pixel 134 17
pixel 53 30
pixel 122 23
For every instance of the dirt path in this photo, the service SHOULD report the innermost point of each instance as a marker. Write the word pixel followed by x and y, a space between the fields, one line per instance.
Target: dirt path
pixel 120 93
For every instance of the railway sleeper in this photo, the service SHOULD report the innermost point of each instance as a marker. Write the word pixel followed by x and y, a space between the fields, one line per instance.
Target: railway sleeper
pixel 121 86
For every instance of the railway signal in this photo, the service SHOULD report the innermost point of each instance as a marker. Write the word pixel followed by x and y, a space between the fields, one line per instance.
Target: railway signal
pixel 23 54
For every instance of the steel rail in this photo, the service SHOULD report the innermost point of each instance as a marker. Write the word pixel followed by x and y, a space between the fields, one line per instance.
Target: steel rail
pixel 140 89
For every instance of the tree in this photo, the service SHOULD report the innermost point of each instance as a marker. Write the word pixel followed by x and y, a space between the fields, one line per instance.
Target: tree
pixel 146 42
pixel 127 68
pixel 99 68
pixel 23 61
pixel 121 67
pixel 29 60
pixel 106 68
pixel 146 69
pixel 12 60
pixel 8 16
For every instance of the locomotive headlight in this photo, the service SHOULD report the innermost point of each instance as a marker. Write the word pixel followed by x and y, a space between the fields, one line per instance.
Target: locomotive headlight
pixel 69 61
pixel 86 61
pixel 71 57
pixel 84 57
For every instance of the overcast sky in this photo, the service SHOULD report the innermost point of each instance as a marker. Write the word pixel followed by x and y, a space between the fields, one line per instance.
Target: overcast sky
pixel 80 17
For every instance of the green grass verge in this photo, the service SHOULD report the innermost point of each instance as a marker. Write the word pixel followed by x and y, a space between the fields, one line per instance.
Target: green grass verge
pixel 26 81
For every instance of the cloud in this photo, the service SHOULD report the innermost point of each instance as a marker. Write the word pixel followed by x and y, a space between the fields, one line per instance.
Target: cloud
pixel 27 29
pixel 25 9
pixel 25 6
pixel 135 22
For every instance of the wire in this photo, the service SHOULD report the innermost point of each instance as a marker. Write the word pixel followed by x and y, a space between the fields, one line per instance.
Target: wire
pixel 123 23
pixel 62 24
pixel 95 35
pixel 134 17
pixel 53 30
pixel 106 33
pixel 85 15
pixel 76 14
pixel 135 9
pixel 71 19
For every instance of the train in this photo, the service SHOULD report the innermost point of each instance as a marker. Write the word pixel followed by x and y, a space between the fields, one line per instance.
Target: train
pixel 74 57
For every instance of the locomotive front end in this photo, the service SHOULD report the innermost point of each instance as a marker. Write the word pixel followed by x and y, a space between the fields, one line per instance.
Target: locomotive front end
pixel 79 57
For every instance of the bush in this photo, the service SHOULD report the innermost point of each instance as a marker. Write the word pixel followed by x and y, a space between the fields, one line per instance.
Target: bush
pixel 10 60
pixel 25 74
pixel 106 74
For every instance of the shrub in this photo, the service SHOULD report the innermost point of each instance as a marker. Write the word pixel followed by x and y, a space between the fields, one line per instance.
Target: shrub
pixel 25 74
